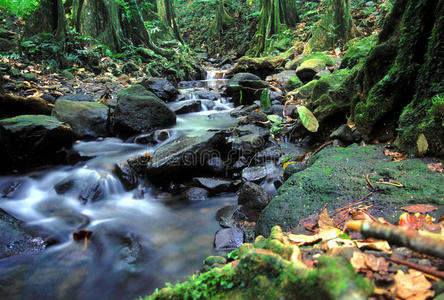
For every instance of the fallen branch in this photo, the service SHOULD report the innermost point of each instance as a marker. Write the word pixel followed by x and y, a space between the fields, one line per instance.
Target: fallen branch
pixel 423 269
pixel 402 237
pixel 367 177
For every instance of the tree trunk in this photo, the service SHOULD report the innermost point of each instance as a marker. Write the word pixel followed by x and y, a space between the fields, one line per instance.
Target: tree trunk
pixel 288 10
pixel 220 19
pixel 400 89
pixel 165 9
pixel 49 17
pixel 336 26
pixel 269 24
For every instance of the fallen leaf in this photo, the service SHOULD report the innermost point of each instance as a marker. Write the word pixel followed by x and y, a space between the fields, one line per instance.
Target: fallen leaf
pixel 81 235
pixel 362 262
pixel 396 156
pixel 419 208
pixel 338 243
pixel 412 286
pixel 375 245
pixel 325 220
pixel 435 167
pixel 301 239
pixel 415 221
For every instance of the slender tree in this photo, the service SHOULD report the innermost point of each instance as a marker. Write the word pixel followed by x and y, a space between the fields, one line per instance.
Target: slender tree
pixel 167 14
pixel 221 19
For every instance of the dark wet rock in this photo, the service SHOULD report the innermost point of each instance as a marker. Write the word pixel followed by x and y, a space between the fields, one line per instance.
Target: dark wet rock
pixel 242 110
pixel 252 129
pixel 206 95
pixel 64 186
pixel 11 106
pixel 343 133
pixel 14 239
pixel 93 192
pixel 248 85
pixel 162 88
pixel 139 110
pixel 294 168
pixel 293 83
pixel 257 116
pixel 258 173
pixel 270 154
pixel 32 140
pixel 277 109
pixel 49 98
pixel 229 216
pixel 252 196
pixel 214 185
pixel 216 164
pixel 87 119
pixel 145 139
pixel 76 97
pixel 196 194
pixel 185 106
pixel 126 175
pixel 336 177
pixel 181 157
pixel 282 77
pixel 209 104
pixel 129 68
pixel 12 188
pixel 228 239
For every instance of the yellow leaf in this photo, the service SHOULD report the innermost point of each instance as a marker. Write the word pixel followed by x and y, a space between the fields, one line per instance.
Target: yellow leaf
pixel 377 245
pixel 301 239
pixel 288 163
pixel 422 144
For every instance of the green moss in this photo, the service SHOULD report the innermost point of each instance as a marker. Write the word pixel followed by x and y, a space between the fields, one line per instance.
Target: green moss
pixel 358 51
pixel 293 83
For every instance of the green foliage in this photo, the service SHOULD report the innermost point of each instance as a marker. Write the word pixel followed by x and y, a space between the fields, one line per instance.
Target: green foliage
pixel 308 119
pixel 21 8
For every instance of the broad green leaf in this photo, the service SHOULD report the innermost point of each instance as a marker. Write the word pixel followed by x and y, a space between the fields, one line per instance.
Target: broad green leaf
pixel 265 100
pixel 422 144
pixel 240 97
pixel 308 119
pixel 275 119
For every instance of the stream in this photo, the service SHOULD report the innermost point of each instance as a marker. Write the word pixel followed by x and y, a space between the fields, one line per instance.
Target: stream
pixel 139 239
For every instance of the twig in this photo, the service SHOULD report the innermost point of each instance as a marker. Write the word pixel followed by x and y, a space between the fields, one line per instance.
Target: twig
pixel 367 177
pixel 354 203
pixel 397 176
pixel 321 147
pixel 398 236
pixel 420 268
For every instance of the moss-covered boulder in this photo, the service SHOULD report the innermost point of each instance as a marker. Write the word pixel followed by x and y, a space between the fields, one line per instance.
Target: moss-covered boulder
pixel 304 91
pixel 297 61
pixel 87 119
pixel 309 68
pixel 268 270
pixel 262 66
pixel 12 106
pixel 358 51
pixel 32 140
pixel 245 88
pixel 293 83
pixel 328 97
pixel 336 177
pixel 139 110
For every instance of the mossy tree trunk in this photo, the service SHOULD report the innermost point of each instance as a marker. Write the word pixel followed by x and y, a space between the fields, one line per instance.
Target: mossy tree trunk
pixel 269 24
pixel 49 17
pixel 221 19
pixel 288 10
pixel 167 14
pixel 400 89
pixel 336 26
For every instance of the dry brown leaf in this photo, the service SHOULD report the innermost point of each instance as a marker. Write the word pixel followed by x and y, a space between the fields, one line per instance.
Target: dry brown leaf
pixel 324 220
pixel 416 221
pixel 435 167
pixel 412 286
pixel 362 262
pixel 338 243
pixel 396 156
pixel 300 239
pixel 328 233
pixel 361 215
pixel 419 208
pixel 375 245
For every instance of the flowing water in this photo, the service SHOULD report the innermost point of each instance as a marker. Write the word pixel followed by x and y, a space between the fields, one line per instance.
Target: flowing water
pixel 140 238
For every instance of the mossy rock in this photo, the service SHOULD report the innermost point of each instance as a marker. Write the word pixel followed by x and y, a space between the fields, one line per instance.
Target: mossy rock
pixel 293 83
pixel 336 176
pixel 309 68
pixel 262 273
pixel 297 61
pixel 358 51
pixel 304 91
pixel 261 67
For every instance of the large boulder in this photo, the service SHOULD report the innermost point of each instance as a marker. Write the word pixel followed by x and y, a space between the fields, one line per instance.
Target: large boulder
pixel 87 119
pixel 11 106
pixel 252 196
pixel 181 158
pixel 139 110
pixel 32 140
pixel 309 68
pixel 336 177
pixel 298 60
pixel 162 88
pixel 262 66
pixel 245 88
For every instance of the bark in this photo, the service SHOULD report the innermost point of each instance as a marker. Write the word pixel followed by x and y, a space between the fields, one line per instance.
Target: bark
pixel 399 90
pixel 166 12
pixel 269 24
pixel 221 19
pixel 288 12
pixel 336 26
pixel 49 17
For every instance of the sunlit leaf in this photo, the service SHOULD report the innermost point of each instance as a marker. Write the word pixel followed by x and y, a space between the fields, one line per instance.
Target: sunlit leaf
pixel 422 144
pixel 308 119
